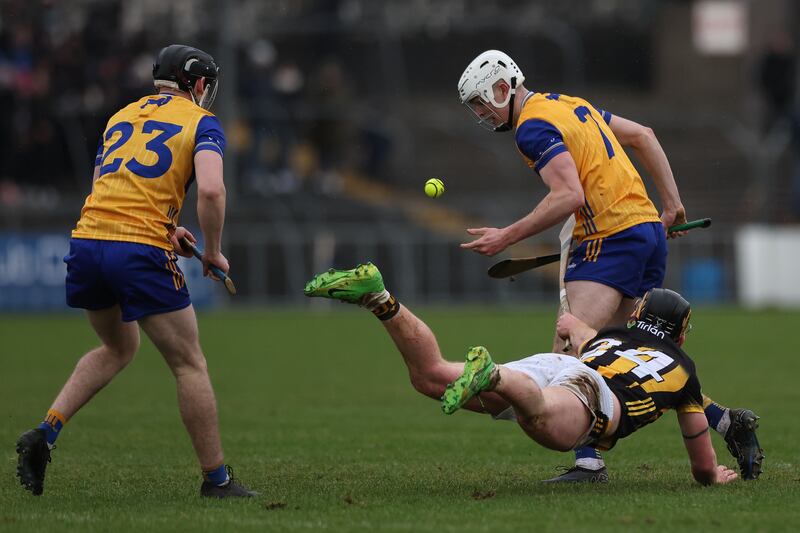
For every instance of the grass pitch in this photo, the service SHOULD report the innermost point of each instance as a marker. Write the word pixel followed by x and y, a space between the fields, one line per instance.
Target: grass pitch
pixel 318 415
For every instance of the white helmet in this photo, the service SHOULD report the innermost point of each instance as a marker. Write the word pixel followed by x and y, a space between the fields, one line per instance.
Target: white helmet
pixel 477 82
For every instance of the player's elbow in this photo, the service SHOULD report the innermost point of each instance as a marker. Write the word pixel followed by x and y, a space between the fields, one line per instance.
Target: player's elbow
pixel 644 136
pixel 211 192
pixel 574 198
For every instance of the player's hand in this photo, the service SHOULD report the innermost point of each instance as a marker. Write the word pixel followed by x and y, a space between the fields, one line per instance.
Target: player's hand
pixel 491 241
pixel 565 324
pixel 176 237
pixel 724 475
pixel 218 260
pixel 673 217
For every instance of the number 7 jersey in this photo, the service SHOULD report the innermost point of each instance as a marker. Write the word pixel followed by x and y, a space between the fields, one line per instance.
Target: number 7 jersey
pixel 615 196
pixel 647 372
pixel 146 160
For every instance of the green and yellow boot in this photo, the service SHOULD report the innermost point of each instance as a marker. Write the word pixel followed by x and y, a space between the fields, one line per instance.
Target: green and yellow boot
pixel 480 374
pixel 350 286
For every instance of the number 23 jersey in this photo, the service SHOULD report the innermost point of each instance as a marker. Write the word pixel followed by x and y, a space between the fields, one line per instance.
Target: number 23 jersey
pixel 146 160
pixel 648 374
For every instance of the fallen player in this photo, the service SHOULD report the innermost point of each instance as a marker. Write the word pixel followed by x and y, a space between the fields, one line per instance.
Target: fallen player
pixel 625 378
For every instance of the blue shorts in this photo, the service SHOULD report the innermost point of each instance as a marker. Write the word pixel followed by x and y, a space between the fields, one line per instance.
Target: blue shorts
pixel 632 261
pixel 144 280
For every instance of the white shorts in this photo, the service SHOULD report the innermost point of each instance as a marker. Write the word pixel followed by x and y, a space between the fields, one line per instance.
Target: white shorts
pixel 551 370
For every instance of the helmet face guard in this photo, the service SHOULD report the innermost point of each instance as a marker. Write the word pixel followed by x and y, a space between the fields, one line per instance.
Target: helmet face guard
pixel 209 95
pixel 211 85
pixel 487 117
pixel 486 110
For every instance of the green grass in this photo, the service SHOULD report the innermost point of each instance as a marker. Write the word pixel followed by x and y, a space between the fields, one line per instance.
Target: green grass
pixel 318 415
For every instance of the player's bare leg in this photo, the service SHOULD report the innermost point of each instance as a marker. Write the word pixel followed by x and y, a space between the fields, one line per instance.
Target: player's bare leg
pixel 623 313
pixel 554 417
pixel 95 370
pixel 594 303
pixel 429 371
pixel 99 366
pixel 597 305
pixel 176 336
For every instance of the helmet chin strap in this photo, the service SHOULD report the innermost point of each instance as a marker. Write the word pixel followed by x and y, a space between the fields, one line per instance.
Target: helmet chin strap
pixel 506 126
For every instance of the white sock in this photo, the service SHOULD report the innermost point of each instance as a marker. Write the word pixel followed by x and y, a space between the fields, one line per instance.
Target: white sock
pixel 590 463
pixel 374 299
pixel 724 423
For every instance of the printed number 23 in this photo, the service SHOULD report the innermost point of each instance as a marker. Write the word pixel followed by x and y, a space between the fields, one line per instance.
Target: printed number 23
pixel 156 145
pixel 582 112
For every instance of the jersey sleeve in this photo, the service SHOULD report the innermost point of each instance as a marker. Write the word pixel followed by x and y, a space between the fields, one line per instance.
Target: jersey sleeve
pixel 605 114
pixel 539 141
pixel 209 136
pixel 692 397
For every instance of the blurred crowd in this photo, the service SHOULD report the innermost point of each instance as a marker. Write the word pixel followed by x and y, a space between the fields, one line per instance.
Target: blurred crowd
pixel 302 108
pixel 64 69
pixel 61 76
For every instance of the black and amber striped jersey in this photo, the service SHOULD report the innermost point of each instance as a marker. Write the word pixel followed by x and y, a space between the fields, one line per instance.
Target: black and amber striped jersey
pixel 647 371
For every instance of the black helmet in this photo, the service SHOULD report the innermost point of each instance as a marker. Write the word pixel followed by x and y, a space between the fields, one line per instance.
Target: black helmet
pixel 662 311
pixel 178 66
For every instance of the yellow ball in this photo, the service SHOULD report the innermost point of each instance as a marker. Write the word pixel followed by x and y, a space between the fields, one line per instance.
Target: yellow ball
pixel 434 188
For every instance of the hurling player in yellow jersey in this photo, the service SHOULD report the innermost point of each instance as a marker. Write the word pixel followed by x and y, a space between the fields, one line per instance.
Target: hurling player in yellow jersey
pixel 122 268
pixel 576 149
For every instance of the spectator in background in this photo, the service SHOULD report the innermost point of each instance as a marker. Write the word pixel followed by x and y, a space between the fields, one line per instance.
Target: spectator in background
pixel 777 80
pixel 778 85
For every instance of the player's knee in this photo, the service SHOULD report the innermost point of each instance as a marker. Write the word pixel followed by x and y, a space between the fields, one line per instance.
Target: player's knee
pixel 124 350
pixel 429 383
pixel 422 385
pixel 189 359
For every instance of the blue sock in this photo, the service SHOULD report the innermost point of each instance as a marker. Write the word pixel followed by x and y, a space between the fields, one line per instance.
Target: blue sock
pixel 590 458
pixel 218 476
pixel 715 414
pixel 587 453
pixel 52 425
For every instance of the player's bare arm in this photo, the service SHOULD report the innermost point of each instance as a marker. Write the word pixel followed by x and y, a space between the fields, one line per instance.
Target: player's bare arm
pixel 211 207
pixel 564 198
pixel 696 438
pixel 648 150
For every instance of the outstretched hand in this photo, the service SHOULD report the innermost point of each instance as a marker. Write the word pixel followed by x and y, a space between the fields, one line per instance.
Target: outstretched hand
pixel 724 475
pixel 491 241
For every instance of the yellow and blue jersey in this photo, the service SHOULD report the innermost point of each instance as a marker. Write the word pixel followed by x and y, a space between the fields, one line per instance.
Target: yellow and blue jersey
pixel 616 198
pixel 647 372
pixel 146 162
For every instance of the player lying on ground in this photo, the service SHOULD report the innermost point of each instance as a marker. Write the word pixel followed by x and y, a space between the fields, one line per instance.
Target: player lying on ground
pixel 626 378
pixel 121 264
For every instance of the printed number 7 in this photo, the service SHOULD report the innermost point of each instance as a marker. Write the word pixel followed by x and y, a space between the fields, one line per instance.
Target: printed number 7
pixel 582 112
